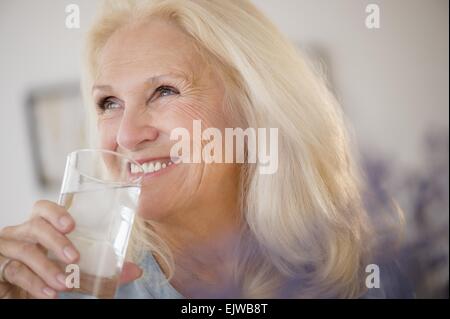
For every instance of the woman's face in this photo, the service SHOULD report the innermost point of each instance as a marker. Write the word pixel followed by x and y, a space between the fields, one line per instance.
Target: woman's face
pixel 150 81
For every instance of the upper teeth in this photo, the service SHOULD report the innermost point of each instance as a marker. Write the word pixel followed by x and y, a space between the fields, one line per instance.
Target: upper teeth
pixel 150 167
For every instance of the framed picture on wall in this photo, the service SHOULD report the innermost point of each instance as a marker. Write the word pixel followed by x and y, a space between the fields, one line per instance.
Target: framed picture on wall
pixel 56 124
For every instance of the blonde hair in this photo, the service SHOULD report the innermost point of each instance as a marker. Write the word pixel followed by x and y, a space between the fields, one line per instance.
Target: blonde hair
pixel 309 238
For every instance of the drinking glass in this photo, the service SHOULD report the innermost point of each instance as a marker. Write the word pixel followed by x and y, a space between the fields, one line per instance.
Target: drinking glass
pixel 100 190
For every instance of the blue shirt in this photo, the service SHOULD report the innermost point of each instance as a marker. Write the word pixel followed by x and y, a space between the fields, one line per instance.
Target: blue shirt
pixel 153 284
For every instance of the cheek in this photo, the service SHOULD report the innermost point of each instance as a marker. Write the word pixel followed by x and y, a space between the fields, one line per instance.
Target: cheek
pixel 208 110
pixel 107 130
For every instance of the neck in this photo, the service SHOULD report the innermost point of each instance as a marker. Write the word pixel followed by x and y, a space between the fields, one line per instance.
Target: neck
pixel 204 246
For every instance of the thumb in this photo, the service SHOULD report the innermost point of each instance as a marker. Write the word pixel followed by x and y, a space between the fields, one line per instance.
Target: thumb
pixel 130 272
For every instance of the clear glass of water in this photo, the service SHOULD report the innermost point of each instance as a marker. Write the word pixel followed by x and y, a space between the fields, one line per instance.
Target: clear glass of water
pixel 100 190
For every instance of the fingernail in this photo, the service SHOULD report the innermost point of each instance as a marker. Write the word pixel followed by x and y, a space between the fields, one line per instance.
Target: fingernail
pixel 70 253
pixel 65 221
pixel 62 279
pixel 49 292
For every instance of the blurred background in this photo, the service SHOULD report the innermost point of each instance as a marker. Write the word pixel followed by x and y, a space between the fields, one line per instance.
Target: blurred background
pixel 392 82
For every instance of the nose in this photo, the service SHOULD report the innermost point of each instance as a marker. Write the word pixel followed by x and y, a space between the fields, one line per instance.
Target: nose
pixel 135 129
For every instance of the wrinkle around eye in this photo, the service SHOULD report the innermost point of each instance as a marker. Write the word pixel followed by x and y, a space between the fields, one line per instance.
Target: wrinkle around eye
pixel 109 104
pixel 164 88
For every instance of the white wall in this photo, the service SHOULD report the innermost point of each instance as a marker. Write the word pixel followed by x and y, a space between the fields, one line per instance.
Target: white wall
pixel 393 82
pixel 36 50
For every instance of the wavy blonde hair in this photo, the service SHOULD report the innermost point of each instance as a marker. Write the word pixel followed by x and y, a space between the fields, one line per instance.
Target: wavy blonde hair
pixel 309 238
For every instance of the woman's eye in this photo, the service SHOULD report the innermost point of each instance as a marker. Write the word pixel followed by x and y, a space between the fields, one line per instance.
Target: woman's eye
pixel 108 104
pixel 111 103
pixel 166 91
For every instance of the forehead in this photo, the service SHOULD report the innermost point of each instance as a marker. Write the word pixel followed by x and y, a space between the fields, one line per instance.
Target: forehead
pixel 155 46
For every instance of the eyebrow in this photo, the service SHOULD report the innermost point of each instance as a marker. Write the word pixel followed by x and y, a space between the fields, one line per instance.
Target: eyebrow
pixel 150 80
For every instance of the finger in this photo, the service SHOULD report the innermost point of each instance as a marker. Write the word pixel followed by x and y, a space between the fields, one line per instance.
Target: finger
pixel 130 272
pixel 20 275
pixel 55 214
pixel 30 255
pixel 40 231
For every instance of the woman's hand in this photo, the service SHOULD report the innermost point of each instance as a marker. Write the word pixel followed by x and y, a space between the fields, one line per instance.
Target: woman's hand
pixel 30 272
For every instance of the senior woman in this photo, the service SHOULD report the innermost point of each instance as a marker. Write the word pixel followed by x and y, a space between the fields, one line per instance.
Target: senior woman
pixel 211 229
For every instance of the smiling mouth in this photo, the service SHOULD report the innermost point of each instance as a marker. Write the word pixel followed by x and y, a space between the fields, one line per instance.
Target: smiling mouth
pixel 152 166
